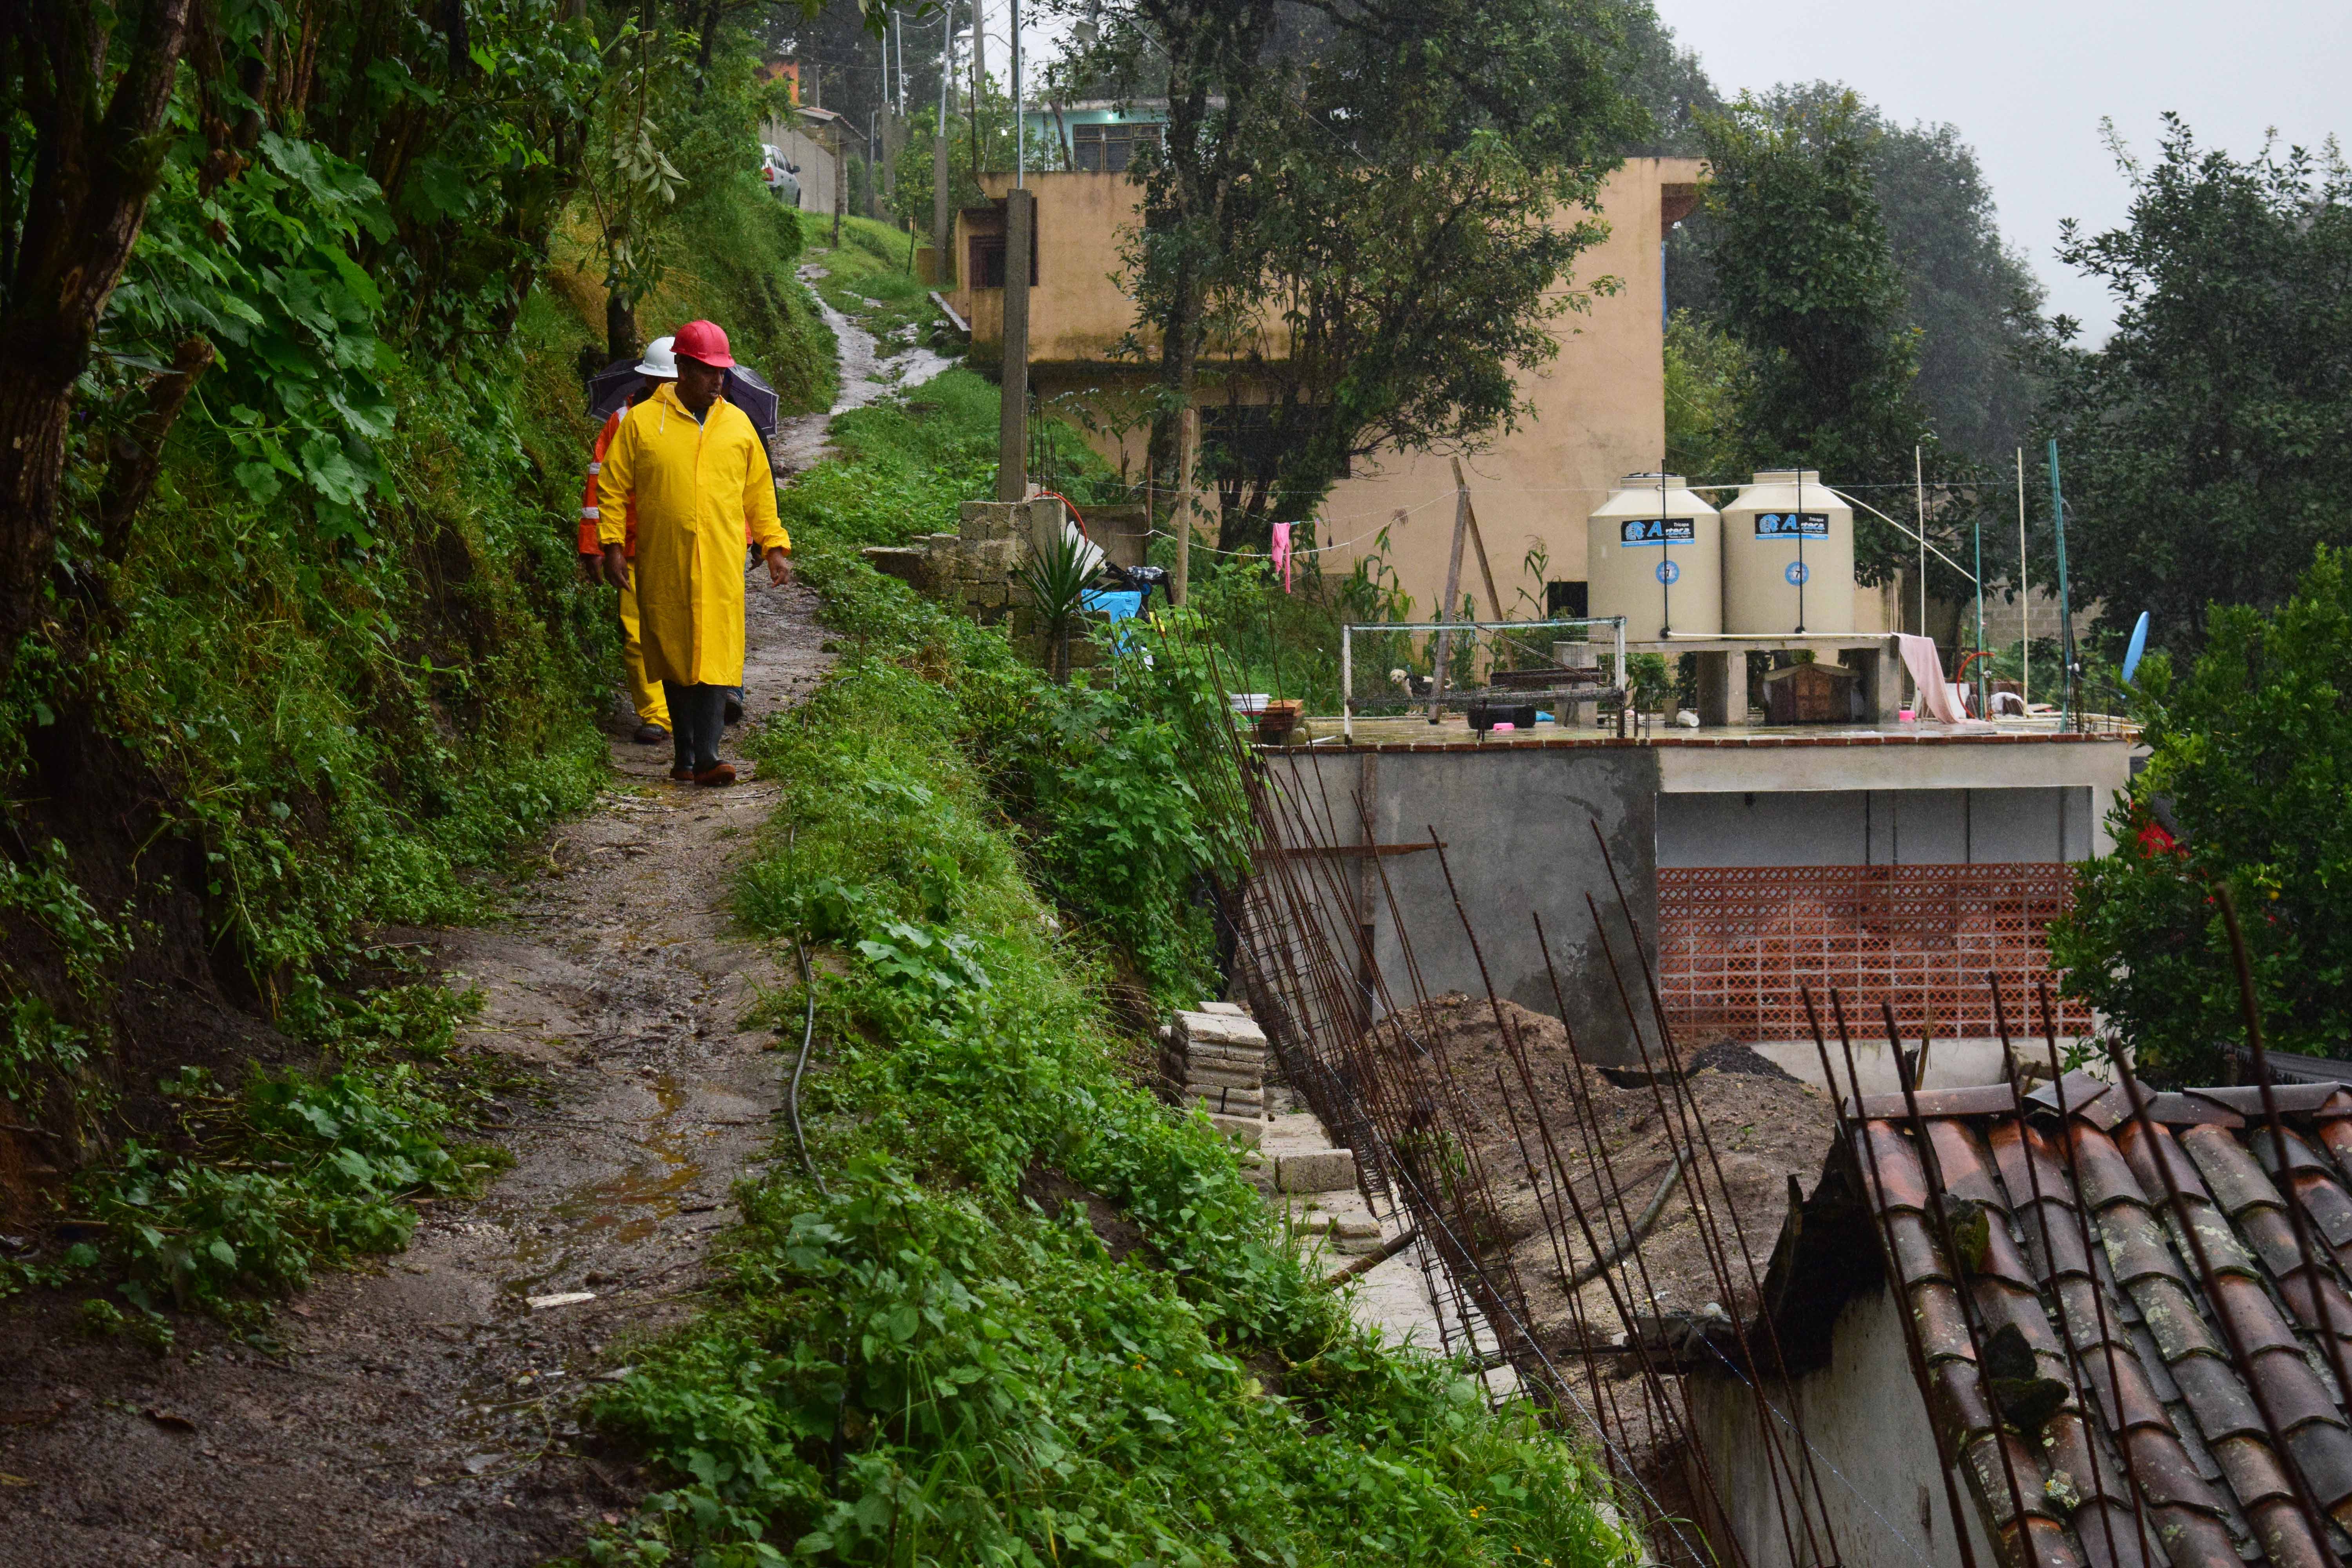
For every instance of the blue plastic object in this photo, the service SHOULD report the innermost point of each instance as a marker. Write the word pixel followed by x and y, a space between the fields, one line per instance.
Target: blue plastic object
pixel 2138 647
pixel 1118 602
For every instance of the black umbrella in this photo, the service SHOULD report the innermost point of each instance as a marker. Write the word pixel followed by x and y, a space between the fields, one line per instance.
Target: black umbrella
pixel 613 386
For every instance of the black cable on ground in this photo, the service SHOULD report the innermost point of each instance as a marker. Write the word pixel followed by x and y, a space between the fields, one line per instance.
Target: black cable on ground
pixel 793 1094
pixel 808 1035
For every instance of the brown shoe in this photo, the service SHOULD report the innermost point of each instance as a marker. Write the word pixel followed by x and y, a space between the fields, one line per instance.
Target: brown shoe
pixel 712 777
pixel 683 775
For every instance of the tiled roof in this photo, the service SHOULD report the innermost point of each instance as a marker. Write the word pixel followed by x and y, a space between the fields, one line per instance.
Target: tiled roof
pixel 2187 1373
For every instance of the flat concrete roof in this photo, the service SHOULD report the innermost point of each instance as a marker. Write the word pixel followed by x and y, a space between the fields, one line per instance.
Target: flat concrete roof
pixel 1413 733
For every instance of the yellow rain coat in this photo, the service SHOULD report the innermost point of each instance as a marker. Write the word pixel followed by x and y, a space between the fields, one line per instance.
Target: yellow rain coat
pixel 698 489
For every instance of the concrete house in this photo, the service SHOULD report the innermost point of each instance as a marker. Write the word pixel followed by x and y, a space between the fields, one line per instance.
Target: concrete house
pixel 2102 1391
pixel 1598 410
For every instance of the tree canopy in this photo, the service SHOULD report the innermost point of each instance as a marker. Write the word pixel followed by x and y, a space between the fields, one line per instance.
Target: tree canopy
pixel 2251 762
pixel 1357 205
pixel 2199 443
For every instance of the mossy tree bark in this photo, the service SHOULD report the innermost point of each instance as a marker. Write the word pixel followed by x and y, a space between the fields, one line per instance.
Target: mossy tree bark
pixel 97 155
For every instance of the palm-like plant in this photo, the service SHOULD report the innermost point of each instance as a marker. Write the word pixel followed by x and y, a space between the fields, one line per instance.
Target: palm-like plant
pixel 1055 577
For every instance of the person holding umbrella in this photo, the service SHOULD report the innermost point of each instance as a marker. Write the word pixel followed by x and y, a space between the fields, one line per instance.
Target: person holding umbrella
pixel 695 472
pixel 657 367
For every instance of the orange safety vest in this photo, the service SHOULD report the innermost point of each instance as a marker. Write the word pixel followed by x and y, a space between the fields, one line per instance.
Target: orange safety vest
pixel 590 510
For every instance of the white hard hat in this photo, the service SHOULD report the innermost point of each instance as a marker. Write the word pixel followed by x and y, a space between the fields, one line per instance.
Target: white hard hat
pixel 659 363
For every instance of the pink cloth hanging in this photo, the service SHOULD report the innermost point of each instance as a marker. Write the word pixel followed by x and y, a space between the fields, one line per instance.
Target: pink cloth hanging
pixel 1282 552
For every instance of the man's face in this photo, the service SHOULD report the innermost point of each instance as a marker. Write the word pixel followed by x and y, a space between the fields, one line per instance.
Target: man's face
pixel 698 384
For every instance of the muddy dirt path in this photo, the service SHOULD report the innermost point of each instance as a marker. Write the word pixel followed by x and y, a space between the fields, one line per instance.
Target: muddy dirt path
pixel 420 1412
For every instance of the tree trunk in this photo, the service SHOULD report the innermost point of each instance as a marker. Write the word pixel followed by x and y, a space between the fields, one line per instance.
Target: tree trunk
pixel 96 165
pixel 139 450
pixel 620 326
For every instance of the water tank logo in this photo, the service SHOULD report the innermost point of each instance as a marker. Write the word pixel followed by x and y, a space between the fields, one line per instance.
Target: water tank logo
pixel 1792 525
pixel 1657 530
pixel 1797 574
pixel 1668 571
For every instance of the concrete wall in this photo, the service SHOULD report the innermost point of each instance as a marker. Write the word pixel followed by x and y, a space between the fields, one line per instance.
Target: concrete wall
pixel 1077 311
pixel 815 156
pixel 1516 825
pixel 2091 769
pixel 1876 1456
pixel 1595 414
pixel 1876 827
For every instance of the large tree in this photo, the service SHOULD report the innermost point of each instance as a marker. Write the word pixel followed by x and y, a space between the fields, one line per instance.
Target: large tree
pixel 1807 285
pixel 93 84
pixel 1356 219
pixel 2200 444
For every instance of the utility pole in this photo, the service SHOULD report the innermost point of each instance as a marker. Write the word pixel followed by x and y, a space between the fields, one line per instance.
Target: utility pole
pixel 1020 120
pixel 2066 604
pixel 939 235
pixel 979 76
pixel 1012 414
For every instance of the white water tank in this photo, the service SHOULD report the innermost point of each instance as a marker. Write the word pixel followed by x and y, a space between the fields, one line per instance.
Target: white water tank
pixel 1788 557
pixel 1653 554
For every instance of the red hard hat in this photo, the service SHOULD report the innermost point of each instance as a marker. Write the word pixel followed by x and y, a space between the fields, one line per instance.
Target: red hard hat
pixel 704 341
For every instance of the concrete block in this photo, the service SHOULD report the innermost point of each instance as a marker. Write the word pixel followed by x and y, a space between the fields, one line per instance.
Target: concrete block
pixel 1213 1029
pixel 988 595
pixel 1227 1103
pixel 1244 1131
pixel 1222 1009
pixel 1242 1056
pixel 1222 1075
pixel 979 520
pixel 1322 1171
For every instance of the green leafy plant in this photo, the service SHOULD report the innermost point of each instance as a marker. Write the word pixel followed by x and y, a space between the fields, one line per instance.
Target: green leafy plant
pixel 2246 759
pixel 1054 578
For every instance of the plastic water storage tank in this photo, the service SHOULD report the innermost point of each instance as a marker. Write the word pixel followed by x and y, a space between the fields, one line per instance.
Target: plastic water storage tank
pixel 1788 557
pixel 1653 554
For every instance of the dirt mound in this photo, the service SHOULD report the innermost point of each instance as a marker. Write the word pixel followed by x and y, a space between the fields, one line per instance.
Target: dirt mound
pixel 1746 1126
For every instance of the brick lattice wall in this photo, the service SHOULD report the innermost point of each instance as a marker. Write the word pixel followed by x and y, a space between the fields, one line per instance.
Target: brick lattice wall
pixel 1737 943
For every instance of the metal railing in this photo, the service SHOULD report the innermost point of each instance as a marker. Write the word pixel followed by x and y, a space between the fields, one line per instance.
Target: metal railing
pixel 1442 633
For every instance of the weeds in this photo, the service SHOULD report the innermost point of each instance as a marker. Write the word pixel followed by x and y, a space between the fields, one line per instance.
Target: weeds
pixel 921 1365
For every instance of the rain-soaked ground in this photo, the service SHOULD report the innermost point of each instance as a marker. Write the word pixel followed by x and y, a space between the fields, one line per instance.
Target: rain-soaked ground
pixel 421 1413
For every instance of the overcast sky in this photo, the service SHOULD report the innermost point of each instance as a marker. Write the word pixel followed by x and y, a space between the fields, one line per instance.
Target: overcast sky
pixel 2027 81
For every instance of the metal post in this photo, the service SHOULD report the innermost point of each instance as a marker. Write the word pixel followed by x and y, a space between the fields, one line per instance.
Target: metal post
pixel 1188 453
pixel 1919 489
pixel 1984 701
pixel 1346 683
pixel 2024 599
pixel 2065 605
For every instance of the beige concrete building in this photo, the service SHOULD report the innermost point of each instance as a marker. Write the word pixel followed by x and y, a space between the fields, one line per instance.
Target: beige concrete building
pixel 1595 413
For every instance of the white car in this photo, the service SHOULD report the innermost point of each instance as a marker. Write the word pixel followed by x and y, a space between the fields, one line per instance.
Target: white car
pixel 783 176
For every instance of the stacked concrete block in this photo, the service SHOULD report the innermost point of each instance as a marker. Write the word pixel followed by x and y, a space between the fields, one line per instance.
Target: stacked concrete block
pixel 1217 1060
pixel 972 569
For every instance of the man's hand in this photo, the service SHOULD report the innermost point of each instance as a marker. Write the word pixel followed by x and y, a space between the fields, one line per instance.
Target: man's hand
pixel 780 566
pixel 616 567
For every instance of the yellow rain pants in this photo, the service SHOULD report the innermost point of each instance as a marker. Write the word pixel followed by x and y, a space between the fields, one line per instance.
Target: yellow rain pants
pixel 652 708
pixel 698 490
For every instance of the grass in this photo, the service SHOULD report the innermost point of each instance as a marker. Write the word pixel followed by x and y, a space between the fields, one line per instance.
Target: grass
pixel 342 740
pixel 909 1360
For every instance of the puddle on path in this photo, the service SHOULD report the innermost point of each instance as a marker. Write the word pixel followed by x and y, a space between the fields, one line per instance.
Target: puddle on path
pixel 629 1206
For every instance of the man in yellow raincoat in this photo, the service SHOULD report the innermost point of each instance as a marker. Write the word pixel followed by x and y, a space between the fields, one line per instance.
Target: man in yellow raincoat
pixel 697 473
